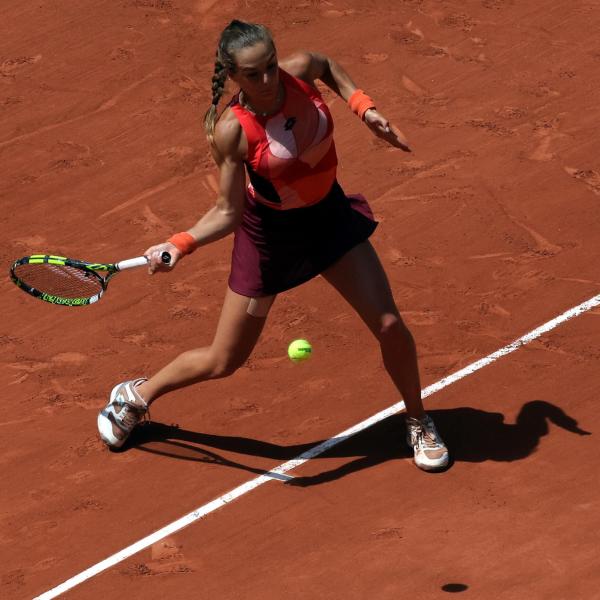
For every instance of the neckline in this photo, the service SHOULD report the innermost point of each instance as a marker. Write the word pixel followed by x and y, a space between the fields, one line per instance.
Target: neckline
pixel 281 98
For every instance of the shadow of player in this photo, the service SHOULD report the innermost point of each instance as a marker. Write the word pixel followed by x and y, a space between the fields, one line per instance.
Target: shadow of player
pixel 472 435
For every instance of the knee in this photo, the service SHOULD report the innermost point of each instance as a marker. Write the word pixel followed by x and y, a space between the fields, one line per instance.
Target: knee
pixel 225 365
pixel 393 329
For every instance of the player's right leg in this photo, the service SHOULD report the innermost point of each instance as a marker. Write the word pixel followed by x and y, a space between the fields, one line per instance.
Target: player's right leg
pixel 240 325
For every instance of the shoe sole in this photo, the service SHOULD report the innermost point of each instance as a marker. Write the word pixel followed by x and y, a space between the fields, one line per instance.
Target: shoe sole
pixel 438 465
pixel 425 466
pixel 429 468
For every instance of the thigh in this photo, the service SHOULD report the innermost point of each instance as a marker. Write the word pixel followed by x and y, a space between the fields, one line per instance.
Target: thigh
pixel 360 278
pixel 240 324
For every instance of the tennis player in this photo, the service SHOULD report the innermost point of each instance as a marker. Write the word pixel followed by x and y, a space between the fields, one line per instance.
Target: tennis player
pixel 291 223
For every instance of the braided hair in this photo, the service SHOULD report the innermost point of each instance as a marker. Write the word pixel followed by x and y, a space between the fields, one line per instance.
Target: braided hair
pixel 237 35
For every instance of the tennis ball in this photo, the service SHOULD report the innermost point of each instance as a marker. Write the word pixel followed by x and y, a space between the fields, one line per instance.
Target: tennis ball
pixel 299 350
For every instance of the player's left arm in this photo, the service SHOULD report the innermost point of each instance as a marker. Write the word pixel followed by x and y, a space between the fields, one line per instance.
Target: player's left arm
pixel 312 66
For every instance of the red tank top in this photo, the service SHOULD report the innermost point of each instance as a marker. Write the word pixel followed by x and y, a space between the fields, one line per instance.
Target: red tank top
pixel 291 154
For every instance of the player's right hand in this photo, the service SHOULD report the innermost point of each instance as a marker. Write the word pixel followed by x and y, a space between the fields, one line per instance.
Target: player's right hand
pixel 154 255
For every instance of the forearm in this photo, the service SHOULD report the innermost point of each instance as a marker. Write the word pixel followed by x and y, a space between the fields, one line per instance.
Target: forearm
pixel 217 223
pixel 335 77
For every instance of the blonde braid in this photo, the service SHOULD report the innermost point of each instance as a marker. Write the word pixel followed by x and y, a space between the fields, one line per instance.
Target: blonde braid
pixel 218 85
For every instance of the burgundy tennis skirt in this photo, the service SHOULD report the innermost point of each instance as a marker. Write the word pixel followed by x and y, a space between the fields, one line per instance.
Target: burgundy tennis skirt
pixel 276 250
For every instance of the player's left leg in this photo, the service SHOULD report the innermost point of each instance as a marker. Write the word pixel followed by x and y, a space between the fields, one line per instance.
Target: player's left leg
pixel 360 278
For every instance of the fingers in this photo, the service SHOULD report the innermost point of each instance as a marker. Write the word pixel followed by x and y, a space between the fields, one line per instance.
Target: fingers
pixel 393 136
pixel 155 263
pixel 155 254
pixel 383 126
pixel 385 130
pixel 376 120
pixel 398 139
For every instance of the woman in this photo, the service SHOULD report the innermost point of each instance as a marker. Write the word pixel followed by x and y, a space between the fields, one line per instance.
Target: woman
pixel 292 223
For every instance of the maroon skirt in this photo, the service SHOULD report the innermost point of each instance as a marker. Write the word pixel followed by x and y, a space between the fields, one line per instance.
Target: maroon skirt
pixel 276 250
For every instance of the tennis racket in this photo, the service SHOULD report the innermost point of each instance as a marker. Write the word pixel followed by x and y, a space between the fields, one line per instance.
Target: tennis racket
pixel 68 282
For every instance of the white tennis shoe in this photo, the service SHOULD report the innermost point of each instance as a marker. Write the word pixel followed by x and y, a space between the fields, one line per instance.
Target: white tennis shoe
pixel 125 409
pixel 430 451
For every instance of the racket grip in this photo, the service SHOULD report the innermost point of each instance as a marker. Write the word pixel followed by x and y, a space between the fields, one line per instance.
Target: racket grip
pixel 141 261
pixel 131 263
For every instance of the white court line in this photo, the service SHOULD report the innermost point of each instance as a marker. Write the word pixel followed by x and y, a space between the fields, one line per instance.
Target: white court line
pixel 311 453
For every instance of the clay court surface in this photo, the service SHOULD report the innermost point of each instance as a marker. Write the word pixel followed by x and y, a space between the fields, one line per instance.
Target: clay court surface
pixel 487 230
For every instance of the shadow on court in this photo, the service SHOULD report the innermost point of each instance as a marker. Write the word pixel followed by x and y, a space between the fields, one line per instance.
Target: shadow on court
pixel 472 435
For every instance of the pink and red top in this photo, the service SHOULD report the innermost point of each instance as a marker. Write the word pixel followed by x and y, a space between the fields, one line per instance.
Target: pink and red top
pixel 291 154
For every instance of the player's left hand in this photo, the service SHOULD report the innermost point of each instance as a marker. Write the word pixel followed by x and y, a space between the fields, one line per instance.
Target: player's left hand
pixel 382 128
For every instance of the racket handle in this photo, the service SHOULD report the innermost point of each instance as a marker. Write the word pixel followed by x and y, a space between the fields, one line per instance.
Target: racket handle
pixel 141 261
pixel 131 263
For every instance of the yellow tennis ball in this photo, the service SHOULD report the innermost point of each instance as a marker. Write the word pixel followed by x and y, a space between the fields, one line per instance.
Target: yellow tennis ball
pixel 299 350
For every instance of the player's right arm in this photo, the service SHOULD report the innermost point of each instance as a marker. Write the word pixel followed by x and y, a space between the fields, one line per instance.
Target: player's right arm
pixel 225 216
pixel 228 151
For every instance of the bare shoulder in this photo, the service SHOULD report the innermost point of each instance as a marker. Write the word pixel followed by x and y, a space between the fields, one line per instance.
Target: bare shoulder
pixel 303 65
pixel 297 64
pixel 229 139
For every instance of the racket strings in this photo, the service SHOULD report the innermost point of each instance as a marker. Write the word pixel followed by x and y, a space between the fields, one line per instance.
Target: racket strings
pixel 59 280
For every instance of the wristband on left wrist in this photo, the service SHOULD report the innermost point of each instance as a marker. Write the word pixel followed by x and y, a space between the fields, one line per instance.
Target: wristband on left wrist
pixel 360 103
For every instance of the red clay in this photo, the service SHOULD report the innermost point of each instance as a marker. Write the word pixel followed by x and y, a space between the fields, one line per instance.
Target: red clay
pixel 488 229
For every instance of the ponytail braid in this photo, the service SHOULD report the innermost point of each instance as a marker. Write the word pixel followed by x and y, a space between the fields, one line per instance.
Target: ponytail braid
pixel 218 85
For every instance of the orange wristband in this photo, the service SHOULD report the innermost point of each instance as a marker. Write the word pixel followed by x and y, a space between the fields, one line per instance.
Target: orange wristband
pixel 184 242
pixel 360 103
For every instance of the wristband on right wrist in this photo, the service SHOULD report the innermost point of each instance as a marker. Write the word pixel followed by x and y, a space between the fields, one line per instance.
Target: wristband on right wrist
pixel 184 242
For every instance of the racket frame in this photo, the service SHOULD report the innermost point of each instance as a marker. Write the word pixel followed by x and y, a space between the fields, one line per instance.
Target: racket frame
pixel 90 268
